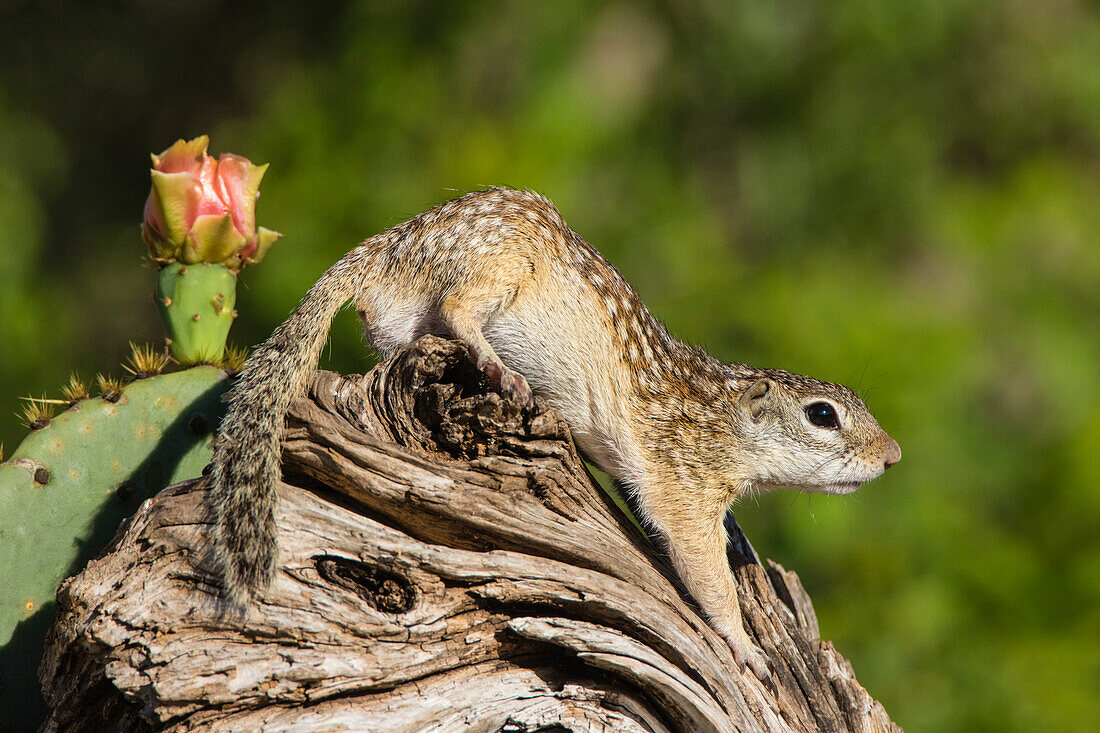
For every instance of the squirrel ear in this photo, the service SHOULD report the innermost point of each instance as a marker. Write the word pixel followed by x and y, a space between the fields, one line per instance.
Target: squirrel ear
pixel 757 396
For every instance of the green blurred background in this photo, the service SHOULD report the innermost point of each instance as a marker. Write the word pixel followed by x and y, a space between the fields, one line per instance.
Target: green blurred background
pixel 903 196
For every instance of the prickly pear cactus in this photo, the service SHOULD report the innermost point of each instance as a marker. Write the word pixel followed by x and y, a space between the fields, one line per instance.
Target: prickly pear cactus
pixel 200 228
pixel 66 488
pixel 196 303
pixel 90 467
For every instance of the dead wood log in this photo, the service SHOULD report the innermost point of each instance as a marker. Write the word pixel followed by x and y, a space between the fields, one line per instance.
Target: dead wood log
pixel 446 563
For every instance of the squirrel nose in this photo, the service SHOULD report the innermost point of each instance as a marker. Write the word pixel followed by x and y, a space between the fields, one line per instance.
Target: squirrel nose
pixel 892 454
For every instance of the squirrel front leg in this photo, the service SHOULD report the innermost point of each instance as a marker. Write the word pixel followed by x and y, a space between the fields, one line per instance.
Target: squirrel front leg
pixel 697 539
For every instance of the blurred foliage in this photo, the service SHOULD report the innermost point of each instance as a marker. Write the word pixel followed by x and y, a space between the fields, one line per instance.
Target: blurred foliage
pixel 900 195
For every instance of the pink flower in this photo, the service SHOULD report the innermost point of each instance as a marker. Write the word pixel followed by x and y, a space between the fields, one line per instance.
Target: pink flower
pixel 204 210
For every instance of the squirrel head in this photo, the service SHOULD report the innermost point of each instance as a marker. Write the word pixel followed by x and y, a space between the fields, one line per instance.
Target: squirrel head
pixel 809 435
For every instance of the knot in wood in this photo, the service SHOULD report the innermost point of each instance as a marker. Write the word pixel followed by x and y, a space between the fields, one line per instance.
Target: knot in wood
pixel 382 588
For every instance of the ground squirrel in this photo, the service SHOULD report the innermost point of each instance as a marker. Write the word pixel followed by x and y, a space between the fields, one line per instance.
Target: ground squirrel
pixel 541 311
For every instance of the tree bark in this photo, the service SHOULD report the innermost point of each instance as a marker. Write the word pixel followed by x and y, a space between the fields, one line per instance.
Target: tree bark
pixel 446 563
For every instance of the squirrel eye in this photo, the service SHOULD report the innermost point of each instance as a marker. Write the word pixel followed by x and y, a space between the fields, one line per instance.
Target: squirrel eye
pixel 822 415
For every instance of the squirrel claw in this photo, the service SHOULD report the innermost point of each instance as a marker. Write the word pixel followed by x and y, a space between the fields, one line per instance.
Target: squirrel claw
pixel 769 679
pixel 751 657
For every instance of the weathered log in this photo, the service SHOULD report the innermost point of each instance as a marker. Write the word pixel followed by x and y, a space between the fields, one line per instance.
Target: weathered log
pixel 446 563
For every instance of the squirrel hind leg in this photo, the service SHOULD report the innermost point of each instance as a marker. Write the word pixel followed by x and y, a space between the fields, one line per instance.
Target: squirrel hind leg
pixel 391 323
pixel 465 323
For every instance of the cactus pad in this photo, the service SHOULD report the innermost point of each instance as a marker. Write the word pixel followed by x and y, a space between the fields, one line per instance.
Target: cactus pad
pixel 196 303
pixel 65 489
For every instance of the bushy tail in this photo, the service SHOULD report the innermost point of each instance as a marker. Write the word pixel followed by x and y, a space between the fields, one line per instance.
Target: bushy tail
pixel 245 468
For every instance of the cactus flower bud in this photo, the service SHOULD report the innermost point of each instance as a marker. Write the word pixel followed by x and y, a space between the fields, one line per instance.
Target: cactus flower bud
pixel 202 210
pixel 200 227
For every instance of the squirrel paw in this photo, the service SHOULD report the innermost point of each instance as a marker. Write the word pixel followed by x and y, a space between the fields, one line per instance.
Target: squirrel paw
pixel 504 380
pixel 749 656
pixel 516 384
